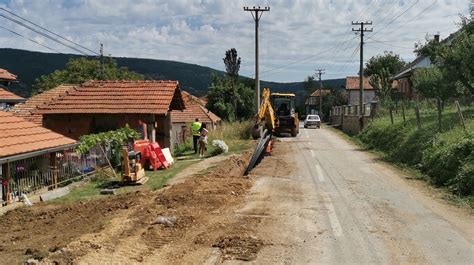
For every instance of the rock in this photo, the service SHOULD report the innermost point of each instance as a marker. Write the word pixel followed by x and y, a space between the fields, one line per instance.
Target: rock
pixel 168 221
pixel 108 191
pixel 32 262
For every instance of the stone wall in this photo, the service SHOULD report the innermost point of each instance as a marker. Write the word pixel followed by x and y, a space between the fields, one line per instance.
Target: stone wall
pixel 347 118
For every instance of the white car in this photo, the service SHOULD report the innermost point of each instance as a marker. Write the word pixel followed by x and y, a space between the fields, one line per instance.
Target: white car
pixel 312 120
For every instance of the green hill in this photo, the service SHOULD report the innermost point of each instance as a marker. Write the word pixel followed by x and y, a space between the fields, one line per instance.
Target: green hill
pixel 29 65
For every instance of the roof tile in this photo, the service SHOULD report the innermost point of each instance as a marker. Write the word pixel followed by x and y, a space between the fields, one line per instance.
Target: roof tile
pixel 352 82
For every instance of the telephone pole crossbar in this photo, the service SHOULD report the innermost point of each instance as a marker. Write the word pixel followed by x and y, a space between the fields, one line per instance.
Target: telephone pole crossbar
pixel 361 66
pixel 319 73
pixel 257 13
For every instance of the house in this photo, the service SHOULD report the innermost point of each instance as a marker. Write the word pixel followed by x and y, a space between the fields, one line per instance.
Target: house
pixel 352 89
pixel 312 102
pixel 7 98
pixel 25 149
pixel 25 110
pixel 403 79
pixel 181 120
pixel 6 77
pixel 99 106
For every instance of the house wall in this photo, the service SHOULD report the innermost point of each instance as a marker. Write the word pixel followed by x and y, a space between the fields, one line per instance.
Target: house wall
pixel 76 125
pixel 353 95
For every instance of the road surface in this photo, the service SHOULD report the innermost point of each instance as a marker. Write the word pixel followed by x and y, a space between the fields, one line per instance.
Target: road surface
pixel 322 200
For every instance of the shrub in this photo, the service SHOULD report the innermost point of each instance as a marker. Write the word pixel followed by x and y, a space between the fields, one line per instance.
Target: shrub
pixel 463 183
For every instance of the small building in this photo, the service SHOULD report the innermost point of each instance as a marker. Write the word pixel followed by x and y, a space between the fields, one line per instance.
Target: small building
pixel 8 99
pixel 28 155
pixel 353 87
pixel 402 81
pixel 6 78
pixel 99 106
pixel 182 120
pixel 26 109
pixel 312 102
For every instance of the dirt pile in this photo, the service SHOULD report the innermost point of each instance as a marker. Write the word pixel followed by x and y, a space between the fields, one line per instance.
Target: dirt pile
pixel 120 227
pixel 239 247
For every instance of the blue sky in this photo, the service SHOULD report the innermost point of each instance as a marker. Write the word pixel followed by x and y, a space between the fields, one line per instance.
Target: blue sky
pixel 296 37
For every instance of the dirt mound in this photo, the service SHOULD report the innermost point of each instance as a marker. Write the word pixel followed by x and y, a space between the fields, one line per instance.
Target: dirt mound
pixel 37 231
pixel 239 247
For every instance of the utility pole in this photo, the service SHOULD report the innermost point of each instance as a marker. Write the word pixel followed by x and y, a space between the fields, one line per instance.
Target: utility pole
pixel 257 13
pixel 319 73
pixel 102 61
pixel 361 66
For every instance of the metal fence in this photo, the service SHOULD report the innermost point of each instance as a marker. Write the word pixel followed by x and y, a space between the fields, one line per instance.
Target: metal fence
pixel 40 172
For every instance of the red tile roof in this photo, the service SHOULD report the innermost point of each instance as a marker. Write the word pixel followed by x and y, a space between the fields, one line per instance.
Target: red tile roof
pixel 352 82
pixel 7 96
pixel 324 91
pixel 24 110
pixel 18 136
pixel 113 97
pixel 5 75
pixel 194 109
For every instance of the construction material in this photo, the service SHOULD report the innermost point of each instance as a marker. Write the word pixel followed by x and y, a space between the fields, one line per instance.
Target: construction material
pixel 56 193
pixel 108 191
pixel 167 221
pixel 258 154
pixel 132 170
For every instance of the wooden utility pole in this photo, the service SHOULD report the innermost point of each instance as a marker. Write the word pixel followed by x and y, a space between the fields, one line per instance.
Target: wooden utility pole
pixel 102 62
pixel 361 66
pixel 319 73
pixel 257 13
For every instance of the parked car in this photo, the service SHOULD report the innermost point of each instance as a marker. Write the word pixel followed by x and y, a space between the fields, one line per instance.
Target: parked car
pixel 312 120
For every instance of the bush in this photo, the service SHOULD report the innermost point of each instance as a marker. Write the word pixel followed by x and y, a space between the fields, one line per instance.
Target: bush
pixel 463 183
pixel 443 161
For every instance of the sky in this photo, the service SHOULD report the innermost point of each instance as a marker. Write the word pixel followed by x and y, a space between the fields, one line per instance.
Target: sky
pixel 295 37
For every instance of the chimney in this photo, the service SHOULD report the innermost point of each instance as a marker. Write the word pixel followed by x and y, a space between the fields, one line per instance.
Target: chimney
pixel 436 37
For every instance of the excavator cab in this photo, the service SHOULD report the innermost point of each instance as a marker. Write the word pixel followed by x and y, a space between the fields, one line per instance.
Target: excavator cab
pixel 285 114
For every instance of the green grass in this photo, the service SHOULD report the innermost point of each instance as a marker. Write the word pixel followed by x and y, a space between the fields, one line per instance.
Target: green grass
pixel 444 157
pixel 235 135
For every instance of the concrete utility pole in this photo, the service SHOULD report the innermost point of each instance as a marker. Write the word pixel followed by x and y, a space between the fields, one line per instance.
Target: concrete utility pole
pixel 319 73
pixel 102 61
pixel 257 13
pixel 361 66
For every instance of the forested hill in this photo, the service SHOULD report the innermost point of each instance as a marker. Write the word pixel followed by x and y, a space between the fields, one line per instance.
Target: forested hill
pixel 29 65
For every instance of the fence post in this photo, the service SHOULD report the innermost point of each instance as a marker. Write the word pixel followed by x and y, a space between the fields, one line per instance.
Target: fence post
pixel 417 115
pixel 6 183
pixel 461 117
pixel 403 114
pixel 53 163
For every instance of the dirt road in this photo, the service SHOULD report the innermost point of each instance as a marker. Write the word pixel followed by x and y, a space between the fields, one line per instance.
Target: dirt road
pixel 340 205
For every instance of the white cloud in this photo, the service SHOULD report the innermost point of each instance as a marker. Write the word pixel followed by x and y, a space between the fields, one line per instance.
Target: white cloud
pixel 294 36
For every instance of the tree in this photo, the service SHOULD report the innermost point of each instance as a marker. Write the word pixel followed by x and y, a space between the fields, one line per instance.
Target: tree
pixel 389 61
pixel 431 84
pixel 229 99
pixel 383 89
pixel 232 63
pixel 309 85
pixel 454 57
pixel 79 70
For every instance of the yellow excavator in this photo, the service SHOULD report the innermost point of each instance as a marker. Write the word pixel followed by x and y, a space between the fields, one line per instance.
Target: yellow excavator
pixel 276 115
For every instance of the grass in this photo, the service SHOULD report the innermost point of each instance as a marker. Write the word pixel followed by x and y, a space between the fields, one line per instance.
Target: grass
pixel 443 157
pixel 235 135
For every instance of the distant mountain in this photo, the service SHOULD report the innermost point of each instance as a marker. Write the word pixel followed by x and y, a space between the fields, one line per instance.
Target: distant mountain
pixel 29 65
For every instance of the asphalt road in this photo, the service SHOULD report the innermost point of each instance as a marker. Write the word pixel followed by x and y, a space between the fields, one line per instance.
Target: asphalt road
pixel 332 203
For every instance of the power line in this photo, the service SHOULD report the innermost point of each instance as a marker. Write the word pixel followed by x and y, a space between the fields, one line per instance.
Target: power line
pixel 396 17
pixel 387 43
pixel 32 40
pixel 49 31
pixel 41 33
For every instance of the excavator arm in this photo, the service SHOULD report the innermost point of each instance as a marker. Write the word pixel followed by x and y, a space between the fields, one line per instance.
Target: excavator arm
pixel 265 117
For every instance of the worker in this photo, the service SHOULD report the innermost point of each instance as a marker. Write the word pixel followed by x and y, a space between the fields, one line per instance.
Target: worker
pixel 203 140
pixel 196 128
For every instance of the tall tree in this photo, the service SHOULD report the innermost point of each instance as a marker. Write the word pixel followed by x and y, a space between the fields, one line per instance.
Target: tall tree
pixel 79 70
pixel 232 62
pixel 391 62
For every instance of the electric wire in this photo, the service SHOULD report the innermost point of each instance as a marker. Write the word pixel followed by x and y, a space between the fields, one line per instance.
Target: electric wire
pixel 32 40
pixel 49 31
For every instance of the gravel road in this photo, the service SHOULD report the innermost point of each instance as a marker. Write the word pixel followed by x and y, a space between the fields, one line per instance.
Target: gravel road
pixel 337 204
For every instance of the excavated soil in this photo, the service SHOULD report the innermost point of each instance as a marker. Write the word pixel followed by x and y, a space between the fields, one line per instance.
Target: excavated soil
pixel 120 228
